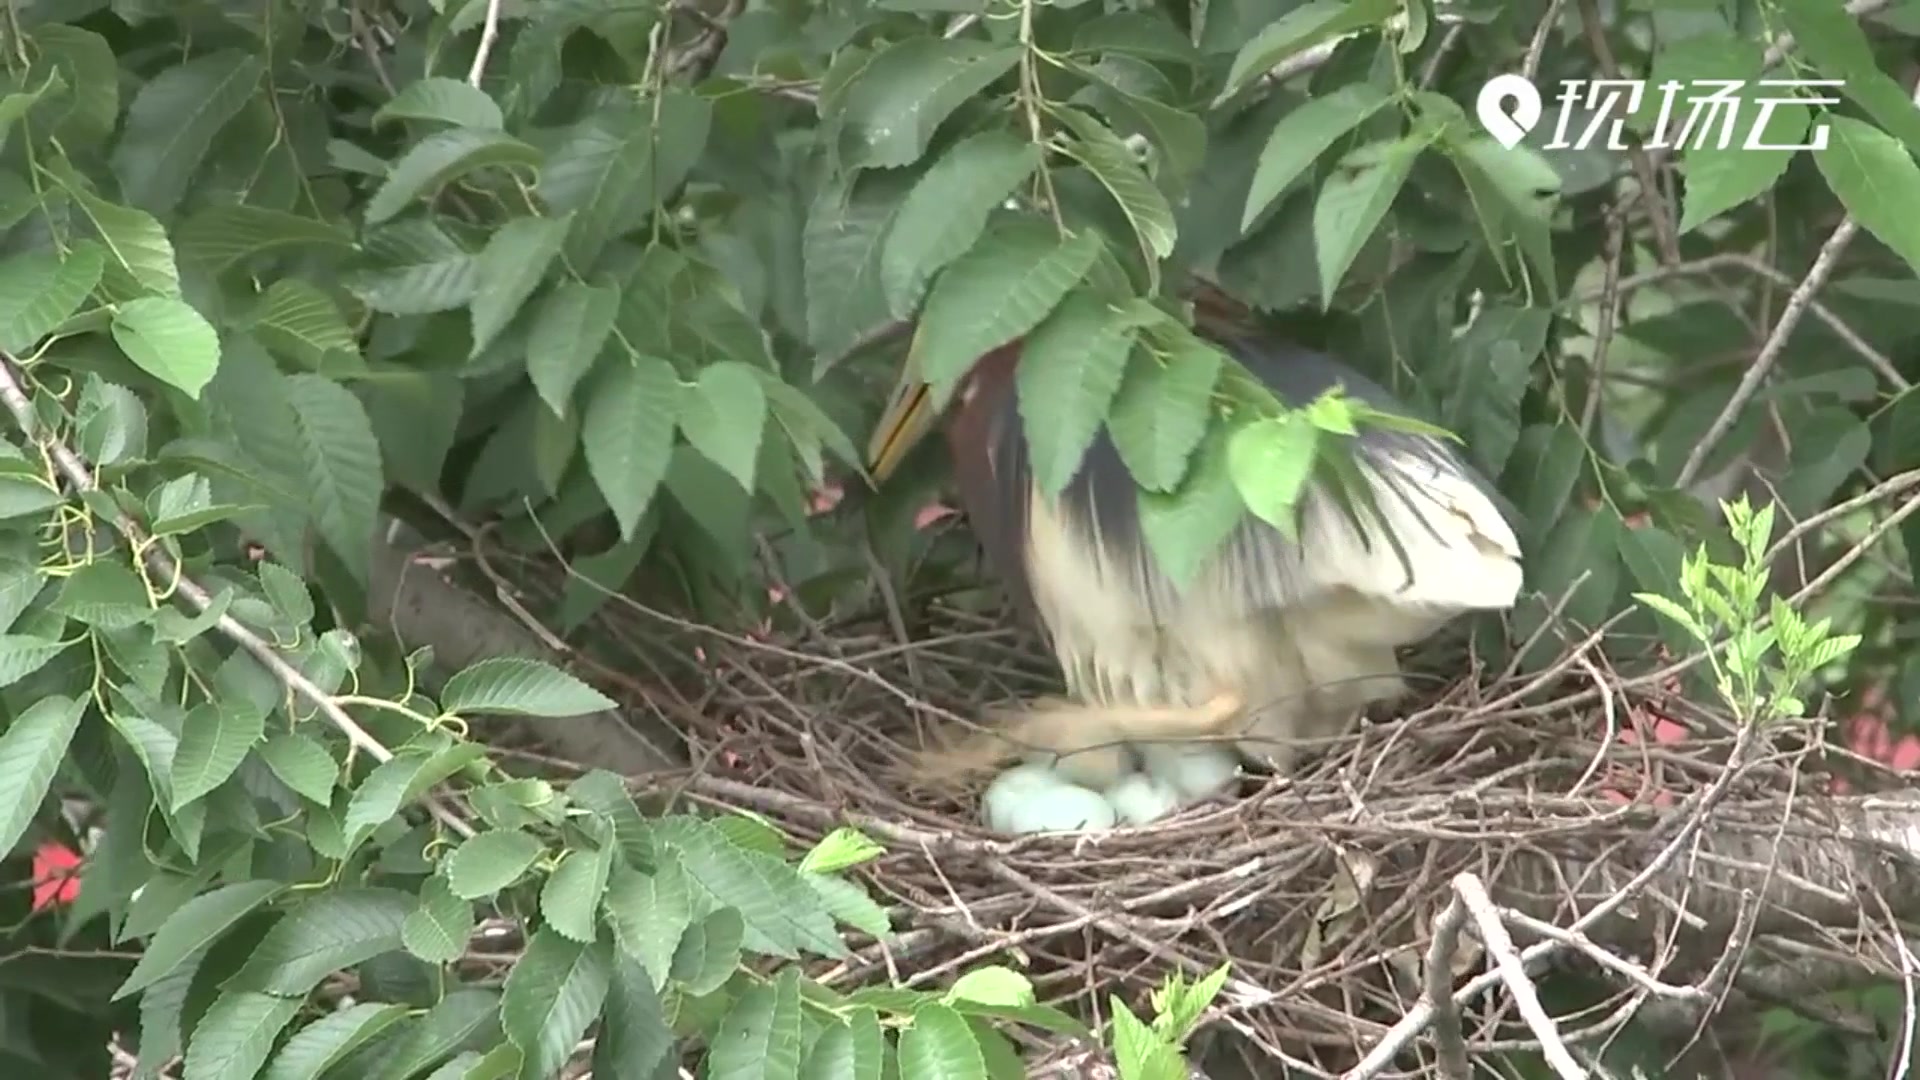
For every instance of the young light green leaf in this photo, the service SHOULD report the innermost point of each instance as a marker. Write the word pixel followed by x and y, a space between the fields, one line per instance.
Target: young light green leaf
pixel 233 1039
pixel 724 416
pixel 841 849
pixel 759 1039
pixel 570 900
pixel 198 923
pixel 551 996
pixel 1877 181
pixel 491 861
pixel 627 433
pixel 173 120
pixel 438 930
pixel 947 210
pixel 40 290
pixel 1140 1051
pixel 303 765
pixel 889 113
pixel 221 236
pixel 342 468
pixel 1162 412
pixel 329 1040
pixel 570 327
pixel 709 952
pixel 443 100
pixel 1353 202
pixel 169 340
pixel 994 293
pixel 512 266
pixel 516 686
pixel 993 985
pixel 1302 135
pixel 442 157
pixel 650 913
pixel 1270 461
pixel 940 1046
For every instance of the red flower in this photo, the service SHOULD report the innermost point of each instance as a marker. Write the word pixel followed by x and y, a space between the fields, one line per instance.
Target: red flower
pixel 55 880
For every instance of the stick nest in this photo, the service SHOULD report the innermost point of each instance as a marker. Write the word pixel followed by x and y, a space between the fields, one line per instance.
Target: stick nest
pixel 1563 792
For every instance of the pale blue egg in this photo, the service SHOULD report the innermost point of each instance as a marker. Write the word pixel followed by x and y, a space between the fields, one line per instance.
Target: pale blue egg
pixel 1032 799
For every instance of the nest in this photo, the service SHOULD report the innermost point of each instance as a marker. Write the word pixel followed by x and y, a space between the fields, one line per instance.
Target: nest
pixel 1494 817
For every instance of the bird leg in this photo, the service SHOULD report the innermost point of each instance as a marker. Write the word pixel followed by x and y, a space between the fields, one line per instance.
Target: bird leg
pixel 1089 740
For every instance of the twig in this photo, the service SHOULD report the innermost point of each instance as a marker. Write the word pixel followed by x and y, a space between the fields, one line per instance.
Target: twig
pixel 163 568
pixel 1512 972
pixel 1784 44
pixel 1438 992
pixel 1664 230
pixel 489 34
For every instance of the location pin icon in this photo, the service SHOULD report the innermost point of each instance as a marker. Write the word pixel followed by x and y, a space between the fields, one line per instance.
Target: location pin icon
pixel 1508 128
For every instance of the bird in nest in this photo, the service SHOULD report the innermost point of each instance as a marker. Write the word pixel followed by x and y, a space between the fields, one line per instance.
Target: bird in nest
pixel 1276 641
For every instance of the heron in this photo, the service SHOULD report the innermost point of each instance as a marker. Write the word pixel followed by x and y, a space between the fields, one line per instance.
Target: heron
pixel 1277 641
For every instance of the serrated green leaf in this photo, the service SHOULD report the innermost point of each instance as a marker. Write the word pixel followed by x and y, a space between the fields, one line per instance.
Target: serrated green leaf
pixel 1070 369
pixel 418 270
pixel 724 417
pixel 520 687
pixel 491 861
pixel 613 168
pixel 438 930
pixel 841 849
pixel 329 1040
pixel 301 322
pixel 197 924
pixel 512 265
pixel 1353 202
pixel 1162 411
pixel 327 932
pixel 841 251
pixel 141 257
pixel 444 100
pixel 1300 29
pixel 220 236
pixel 940 1046
pixel 341 466
pixel 570 900
pixel 1833 39
pixel 890 112
pixel 440 158
pixel 407 776
pixel 708 952
pixel 1184 529
pixel 40 290
pixel 169 340
pixel 30 753
pixel 948 209
pixel 106 595
pixel 1140 1051
pixel 1102 154
pixel 627 433
pixel 993 985
pixel 233 1039
pixel 570 327
pixel 91 72
pixel 783 915
pixel 303 765
pixel 635 1038
pixel 464 1019
pixel 1002 288
pixel 759 1039
pixel 1876 179
pixel 650 913
pixel 850 1051
pixel 173 120
pixel 214 740
pixel 551 996
pixel 1301 136
pixel 1270 461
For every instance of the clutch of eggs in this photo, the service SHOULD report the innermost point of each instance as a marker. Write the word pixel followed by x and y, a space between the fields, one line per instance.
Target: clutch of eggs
pixel 1033 798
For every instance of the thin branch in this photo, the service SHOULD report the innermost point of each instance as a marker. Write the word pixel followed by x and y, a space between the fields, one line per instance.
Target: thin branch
pixel 489 35
pixel 1437 992
pixel 1506 961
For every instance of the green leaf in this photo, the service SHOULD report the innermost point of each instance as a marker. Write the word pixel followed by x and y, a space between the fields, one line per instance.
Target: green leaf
pixel 848 902
pixel 23 654
pixel 30 753
pixel 1140 1051
pixel 890 112
pixel 443 100
pixel 464 1018
pixel 197 924
pixel 516 686
pixel 1299 30
pixel 940 1046
pixel 214 740
pixel 328 932
pixel 442 157
pixel 993 986
pixel 491 861
pixel 854 1050
pixel 1162 412
pixel 421 270
pixel 141 255
pixel 709 952
pixel 233 1039
pixel 634 1038
pixel 169 340
pixel 759 1039
pixel 1186 528
pixel 612 169
pixel 948 209
pixel 511 267
pixel 1831 37
pixel 1876 179
pixel 40 290
pixel 106 595
pixel 1071 367
pixel 997 291
pixel 173 120
pixel 783 915
pixel 724 417
pixel 841 251
pixel 570 327
pixel 302 323
pixel 87 65
pixel 570 900
pixel 627 433
pixel 650 913
pixel 438 930
pixel 221 236
pixel 1352 203
pixel 303 765
pixel 1302 135
pixel 1101 153
pixel 551 996
pixel 329 1040
pixel 341 466
pixel 841 849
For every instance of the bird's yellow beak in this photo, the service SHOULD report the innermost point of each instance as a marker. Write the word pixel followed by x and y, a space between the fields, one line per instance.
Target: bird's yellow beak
pixel 908 417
